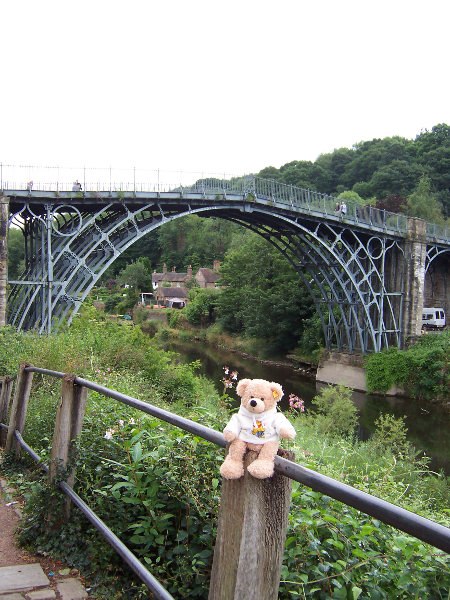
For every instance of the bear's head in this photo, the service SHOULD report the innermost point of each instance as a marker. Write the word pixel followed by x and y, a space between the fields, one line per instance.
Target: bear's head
pixel 259 395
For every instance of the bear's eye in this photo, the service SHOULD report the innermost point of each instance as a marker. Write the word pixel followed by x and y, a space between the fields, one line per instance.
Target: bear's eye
pixel 262 399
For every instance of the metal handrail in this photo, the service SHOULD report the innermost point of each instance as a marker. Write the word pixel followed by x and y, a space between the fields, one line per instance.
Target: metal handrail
pixel 424 529
pixel 138 568
pixel 132 180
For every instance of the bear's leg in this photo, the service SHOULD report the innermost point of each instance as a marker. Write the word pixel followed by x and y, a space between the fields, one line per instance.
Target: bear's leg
pixel 233 465
pixel 263 467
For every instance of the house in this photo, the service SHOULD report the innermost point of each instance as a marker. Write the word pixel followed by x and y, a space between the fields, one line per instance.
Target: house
pixel 208 278
pixel 175 279
pixel 171 297
pixel 169 287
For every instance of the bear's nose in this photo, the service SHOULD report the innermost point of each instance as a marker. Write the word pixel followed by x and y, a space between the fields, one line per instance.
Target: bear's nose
pixel 253 402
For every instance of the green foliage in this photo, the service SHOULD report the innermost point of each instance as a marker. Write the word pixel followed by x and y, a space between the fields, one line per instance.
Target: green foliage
pixel 158 488
pixel 201 306
pixel 111 302
pixel 334 553
pixel 174 317
pixel 351 196
pixel 194 241
pixel 423 204
pixel 175 381
pixel 423 368
pixel 135 275
pixel 16 253
pixel 264 296
pixel 337 412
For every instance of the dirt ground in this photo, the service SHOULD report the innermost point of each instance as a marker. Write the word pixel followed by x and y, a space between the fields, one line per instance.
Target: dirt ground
pixel 10 553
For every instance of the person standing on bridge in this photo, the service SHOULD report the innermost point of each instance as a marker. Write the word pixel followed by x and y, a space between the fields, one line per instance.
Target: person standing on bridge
pixel 337 209
pixel 343 208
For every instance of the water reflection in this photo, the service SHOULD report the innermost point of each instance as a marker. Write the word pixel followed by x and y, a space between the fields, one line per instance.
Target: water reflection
pixel 428 424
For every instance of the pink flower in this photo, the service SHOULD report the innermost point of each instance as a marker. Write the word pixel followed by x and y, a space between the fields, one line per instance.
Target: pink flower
pixel 227 370
pixel 296 402
pixel 109 434
pixel 121 423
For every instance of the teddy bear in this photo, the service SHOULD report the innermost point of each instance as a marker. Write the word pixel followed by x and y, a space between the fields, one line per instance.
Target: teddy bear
pixel 256 426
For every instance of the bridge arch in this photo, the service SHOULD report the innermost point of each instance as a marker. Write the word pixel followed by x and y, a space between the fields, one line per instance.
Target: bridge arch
pixel 364 269
pixel 342 269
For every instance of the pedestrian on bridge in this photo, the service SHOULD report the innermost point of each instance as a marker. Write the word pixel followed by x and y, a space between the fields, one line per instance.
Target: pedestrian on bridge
pixel 343 208
pixel 337 209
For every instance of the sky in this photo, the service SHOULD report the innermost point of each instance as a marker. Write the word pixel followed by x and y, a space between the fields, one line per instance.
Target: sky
pixel 215 87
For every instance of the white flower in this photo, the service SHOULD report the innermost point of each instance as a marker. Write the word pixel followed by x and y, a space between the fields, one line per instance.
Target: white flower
pixel 121 423
pixel 131 421
pixel 109 434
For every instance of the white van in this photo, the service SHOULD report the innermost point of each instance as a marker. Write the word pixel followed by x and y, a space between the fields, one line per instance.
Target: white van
pixel 433 318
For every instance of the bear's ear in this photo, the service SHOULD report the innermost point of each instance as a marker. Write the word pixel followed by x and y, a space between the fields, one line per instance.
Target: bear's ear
pixel 277 391
pixel 242 386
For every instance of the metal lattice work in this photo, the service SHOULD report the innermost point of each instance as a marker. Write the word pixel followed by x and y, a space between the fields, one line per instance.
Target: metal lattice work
pixel 72 238
pixel 344 273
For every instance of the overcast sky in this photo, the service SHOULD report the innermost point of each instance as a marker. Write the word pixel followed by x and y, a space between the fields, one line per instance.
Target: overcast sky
pixel 229 87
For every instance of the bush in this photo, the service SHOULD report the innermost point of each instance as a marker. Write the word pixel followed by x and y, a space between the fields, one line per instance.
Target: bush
pixel 158 488
pixel 112 301
pixel 337 413
pixel 423 369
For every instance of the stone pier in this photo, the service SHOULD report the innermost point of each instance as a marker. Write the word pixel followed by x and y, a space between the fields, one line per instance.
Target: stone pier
pixel 414 279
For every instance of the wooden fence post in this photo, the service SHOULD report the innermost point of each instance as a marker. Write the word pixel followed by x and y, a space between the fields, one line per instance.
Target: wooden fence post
pixel 5 397
pixel 19 408
pixel 251 536
pixel 68 425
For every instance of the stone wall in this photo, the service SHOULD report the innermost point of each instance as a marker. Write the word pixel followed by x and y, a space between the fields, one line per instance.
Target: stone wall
pixel 4 205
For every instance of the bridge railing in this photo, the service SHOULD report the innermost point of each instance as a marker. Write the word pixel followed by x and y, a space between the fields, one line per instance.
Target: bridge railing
pixel 61 179
pixel 68 427
pixel 313 201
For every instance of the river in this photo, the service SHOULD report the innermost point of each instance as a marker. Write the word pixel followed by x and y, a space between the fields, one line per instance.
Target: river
pixel 428 424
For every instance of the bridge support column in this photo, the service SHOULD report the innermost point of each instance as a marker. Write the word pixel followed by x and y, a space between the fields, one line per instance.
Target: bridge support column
pixel 4 206
pixel 414 279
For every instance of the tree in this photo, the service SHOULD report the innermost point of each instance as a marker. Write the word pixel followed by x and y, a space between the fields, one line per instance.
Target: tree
pixel 399 177
pixel 351 197
pixel 392 203
pixel 264 296
pixel 202 303
pixel 16 252
pixel 135 275
pixel 423 204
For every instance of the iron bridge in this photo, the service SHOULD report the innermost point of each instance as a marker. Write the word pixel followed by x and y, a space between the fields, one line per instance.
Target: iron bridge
pixel 344 260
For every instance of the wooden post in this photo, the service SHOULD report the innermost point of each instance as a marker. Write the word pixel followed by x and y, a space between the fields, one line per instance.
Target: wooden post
pixel 19 408
pixel 251 536
pixel 5 397
pixel 68 425
pixel 4 206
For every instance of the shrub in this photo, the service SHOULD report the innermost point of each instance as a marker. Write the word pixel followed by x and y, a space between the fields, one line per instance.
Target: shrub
pixel 337 413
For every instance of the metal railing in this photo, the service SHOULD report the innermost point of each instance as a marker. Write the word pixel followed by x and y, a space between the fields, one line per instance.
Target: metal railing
pixel 424 529
pixel 62 179
pixel 132 180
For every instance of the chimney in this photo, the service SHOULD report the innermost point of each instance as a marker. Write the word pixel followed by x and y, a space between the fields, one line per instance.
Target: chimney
pixel 189 271
pixel 173 269
pixel 164 268
pixel 216 265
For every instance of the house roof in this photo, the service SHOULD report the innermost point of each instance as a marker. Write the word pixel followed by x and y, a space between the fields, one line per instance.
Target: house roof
pixel 208 275
pixel 169 292
pixel 172 277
